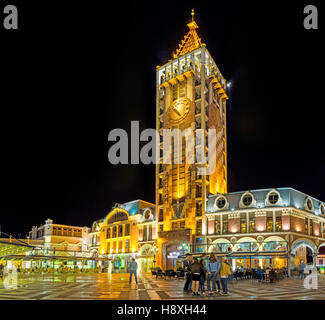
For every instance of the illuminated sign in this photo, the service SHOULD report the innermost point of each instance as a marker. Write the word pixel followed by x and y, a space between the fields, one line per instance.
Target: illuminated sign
pixel 173 255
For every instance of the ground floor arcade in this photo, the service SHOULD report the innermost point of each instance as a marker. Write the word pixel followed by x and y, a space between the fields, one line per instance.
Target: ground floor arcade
pixel 247 251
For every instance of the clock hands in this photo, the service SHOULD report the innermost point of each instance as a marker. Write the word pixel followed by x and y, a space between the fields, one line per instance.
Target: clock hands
pixel 176 110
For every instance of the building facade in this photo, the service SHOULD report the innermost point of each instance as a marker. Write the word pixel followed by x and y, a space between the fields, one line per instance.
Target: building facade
pixel 279 226
pixel 67 244
pixel 190 94
pixel 129 231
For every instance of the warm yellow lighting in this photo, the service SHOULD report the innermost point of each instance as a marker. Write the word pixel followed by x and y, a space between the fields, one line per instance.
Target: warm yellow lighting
pixel 285 226
pixel 260 227
pixel 133 249
pixel 191 41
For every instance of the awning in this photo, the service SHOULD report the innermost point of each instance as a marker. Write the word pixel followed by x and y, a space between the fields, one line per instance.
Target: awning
pixel 13 248
pixel 244 254
pixel 61 258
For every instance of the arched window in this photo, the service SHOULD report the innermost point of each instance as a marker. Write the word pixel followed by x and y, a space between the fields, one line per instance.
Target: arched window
pixel 118 216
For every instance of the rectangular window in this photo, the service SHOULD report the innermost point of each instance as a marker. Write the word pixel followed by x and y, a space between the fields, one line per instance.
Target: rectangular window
pixel 108 233
pixel 225 224
pixel 182 224
pixel 243 223
pixel 278 223
pixel 199 227
pixel 150 232
pixel 127 229
pixel 120 230
pixel 161 215
pixel 120 246
pixel 114 232
pixel 251 222
pixel 320 262
pixel 269 222
pixel 161 227
pixel 108 247
pixel 217 231
pixel 311 227
pixel 127 245
pixel 145 233
pixel 199 209
pixel 306 225
pixel 174 225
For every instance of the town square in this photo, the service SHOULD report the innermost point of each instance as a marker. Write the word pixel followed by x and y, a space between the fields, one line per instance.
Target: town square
pixel 182 161
pixel 116 287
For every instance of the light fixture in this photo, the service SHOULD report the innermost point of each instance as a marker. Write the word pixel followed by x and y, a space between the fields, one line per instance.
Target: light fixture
pixel 229 84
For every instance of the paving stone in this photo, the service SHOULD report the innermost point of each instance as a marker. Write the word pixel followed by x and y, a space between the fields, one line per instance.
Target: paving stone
pixel 116 286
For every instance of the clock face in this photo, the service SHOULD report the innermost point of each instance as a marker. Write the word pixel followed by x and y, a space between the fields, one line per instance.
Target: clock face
pixel 179 109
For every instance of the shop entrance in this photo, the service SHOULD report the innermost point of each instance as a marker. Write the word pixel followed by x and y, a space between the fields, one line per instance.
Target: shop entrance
pixel 305 254
pixel 172 254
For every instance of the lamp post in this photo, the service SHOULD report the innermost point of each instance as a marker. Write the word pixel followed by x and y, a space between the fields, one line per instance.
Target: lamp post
pixel 154 256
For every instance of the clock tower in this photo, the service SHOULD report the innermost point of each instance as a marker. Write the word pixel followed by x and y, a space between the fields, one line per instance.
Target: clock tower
pixel 190 94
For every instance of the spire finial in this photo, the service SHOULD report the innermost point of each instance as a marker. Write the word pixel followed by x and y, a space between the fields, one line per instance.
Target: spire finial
pixel 192 14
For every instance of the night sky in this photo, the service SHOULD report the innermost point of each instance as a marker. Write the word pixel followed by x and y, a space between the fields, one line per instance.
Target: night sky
pixel 75 71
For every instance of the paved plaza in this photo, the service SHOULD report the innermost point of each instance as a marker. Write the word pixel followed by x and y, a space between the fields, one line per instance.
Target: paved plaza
pixel 115 287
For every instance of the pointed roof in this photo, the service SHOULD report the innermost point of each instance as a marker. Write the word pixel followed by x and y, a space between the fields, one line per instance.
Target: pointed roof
pixel 191 41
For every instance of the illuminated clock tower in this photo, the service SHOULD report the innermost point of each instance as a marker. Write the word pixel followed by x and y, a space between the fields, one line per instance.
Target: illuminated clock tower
pixel 190 93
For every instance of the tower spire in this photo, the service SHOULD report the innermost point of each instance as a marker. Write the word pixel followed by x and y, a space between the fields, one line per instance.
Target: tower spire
pixel 191 41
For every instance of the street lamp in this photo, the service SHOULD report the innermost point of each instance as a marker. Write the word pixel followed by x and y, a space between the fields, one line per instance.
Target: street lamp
pixel 154 256
pixel 183 247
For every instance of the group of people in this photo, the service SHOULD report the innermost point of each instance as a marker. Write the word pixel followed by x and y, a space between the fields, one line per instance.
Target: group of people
pixel 269 274
pixel 210 269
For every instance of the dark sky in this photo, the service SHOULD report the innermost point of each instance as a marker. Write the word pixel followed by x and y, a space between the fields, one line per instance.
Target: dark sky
pixel 74 71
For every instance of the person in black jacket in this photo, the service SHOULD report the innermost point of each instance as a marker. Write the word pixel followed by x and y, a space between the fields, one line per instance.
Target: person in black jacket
pixel 187 263
pixel 196 274
pixel 203 274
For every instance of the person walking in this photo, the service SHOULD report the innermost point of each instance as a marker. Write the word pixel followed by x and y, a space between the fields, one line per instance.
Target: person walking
pixel 202 274
pixel 196 273
pixel 301 269
pixel 133 270
pixel 292 269
pixel 224 274
pixel 213 268
pixel 218 279
pixel 272 275
pixel 259 273
pixel 187 267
